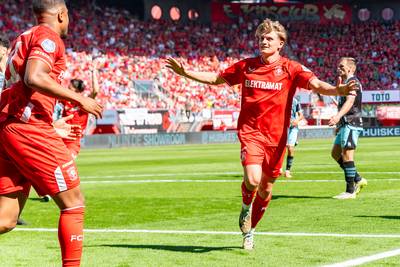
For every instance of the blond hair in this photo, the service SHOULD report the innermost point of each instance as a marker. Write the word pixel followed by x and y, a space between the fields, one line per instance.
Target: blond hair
pixel 268 26
pixel 350 62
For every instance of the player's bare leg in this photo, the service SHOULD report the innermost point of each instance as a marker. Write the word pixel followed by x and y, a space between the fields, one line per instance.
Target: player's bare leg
pixel 336 153
pixel 251 179
pixel 11 206
pixel 70 227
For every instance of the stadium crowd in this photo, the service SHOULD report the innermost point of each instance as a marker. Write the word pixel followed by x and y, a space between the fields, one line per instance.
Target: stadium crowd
pixel 126 49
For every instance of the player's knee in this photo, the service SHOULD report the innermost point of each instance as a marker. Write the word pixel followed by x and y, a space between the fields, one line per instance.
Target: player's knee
pixel 6 225
pixel 79 200
pixel 253 181
pixel 264 193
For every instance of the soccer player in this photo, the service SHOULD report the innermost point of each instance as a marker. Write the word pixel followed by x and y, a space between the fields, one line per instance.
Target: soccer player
pixel 31 151
pixel 76 115
pixel 269 82
pixel 80 117
pixel 4 45
pixel 349 124
pixel 295 117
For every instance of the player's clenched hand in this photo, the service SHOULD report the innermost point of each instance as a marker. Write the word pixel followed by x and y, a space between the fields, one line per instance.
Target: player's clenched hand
pixel 347 88
pixel 66 130
pixel 90 105
pixel 334 120
pixel 176 66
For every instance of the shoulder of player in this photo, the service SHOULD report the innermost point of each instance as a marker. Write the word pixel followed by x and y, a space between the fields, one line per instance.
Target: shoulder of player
pixel 248 60
pixel 49 38
pixel 294 65
pixel 354 78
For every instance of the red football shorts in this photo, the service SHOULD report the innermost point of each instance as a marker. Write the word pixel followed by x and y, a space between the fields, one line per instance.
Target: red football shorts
pixel 34 154
pixel 254 150
pixel 74 147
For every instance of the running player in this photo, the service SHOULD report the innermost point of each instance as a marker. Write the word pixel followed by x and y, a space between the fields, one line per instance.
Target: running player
pixel 349 124
pixel 295 117
pixel 269 82
pixel 31 151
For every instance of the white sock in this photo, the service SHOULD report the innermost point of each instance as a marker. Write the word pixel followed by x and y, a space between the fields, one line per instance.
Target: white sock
pixel 246 207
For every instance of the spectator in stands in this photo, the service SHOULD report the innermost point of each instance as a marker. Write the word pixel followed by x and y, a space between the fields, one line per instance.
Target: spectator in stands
pixel 4 45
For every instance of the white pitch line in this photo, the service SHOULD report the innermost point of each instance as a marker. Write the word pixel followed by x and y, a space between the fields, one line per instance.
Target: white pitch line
pixel 201 232
pixel 218 181
pixel 366 259
pixel 213 173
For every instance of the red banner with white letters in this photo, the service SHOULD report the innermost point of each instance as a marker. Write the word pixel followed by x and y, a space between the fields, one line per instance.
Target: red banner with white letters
pixel 319 13
pixel 388 112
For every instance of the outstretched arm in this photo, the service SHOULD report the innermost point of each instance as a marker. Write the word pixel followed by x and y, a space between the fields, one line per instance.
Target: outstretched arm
pixel 324 88
pixel 203 77
pixel 95 81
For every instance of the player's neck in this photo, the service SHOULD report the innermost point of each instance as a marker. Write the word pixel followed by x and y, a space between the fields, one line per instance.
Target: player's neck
pixel 43 22
pixel 270 59
pixel 346 77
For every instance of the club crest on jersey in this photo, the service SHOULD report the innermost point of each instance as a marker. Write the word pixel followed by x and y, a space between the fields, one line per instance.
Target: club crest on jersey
pixel 250 69
pixel 48 45
pixel 278 71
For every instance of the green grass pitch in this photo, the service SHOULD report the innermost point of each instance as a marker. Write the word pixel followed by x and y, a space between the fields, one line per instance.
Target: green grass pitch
pixel 197 188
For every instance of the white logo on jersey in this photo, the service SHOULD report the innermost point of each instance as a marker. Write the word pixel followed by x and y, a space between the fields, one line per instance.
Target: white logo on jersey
pixel 48 45
pixel 263 85
pixel 251 69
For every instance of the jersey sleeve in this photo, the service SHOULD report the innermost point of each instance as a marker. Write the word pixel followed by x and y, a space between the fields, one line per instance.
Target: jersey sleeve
pixel 45 48
pixel 234 74
pixel 302 76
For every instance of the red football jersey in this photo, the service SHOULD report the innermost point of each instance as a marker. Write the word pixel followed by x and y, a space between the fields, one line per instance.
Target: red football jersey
pixel 80 116
pixel 267 95
pixel 22 102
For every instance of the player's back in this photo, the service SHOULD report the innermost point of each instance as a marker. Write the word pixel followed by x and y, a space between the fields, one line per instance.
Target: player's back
pixel 38 43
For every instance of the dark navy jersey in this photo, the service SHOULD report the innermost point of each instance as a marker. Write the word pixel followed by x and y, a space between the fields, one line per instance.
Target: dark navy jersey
pixel 354 115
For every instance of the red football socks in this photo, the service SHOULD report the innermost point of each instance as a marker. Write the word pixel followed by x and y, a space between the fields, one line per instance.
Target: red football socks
pixel 247 195
pixel 70 235
pixel 259 207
